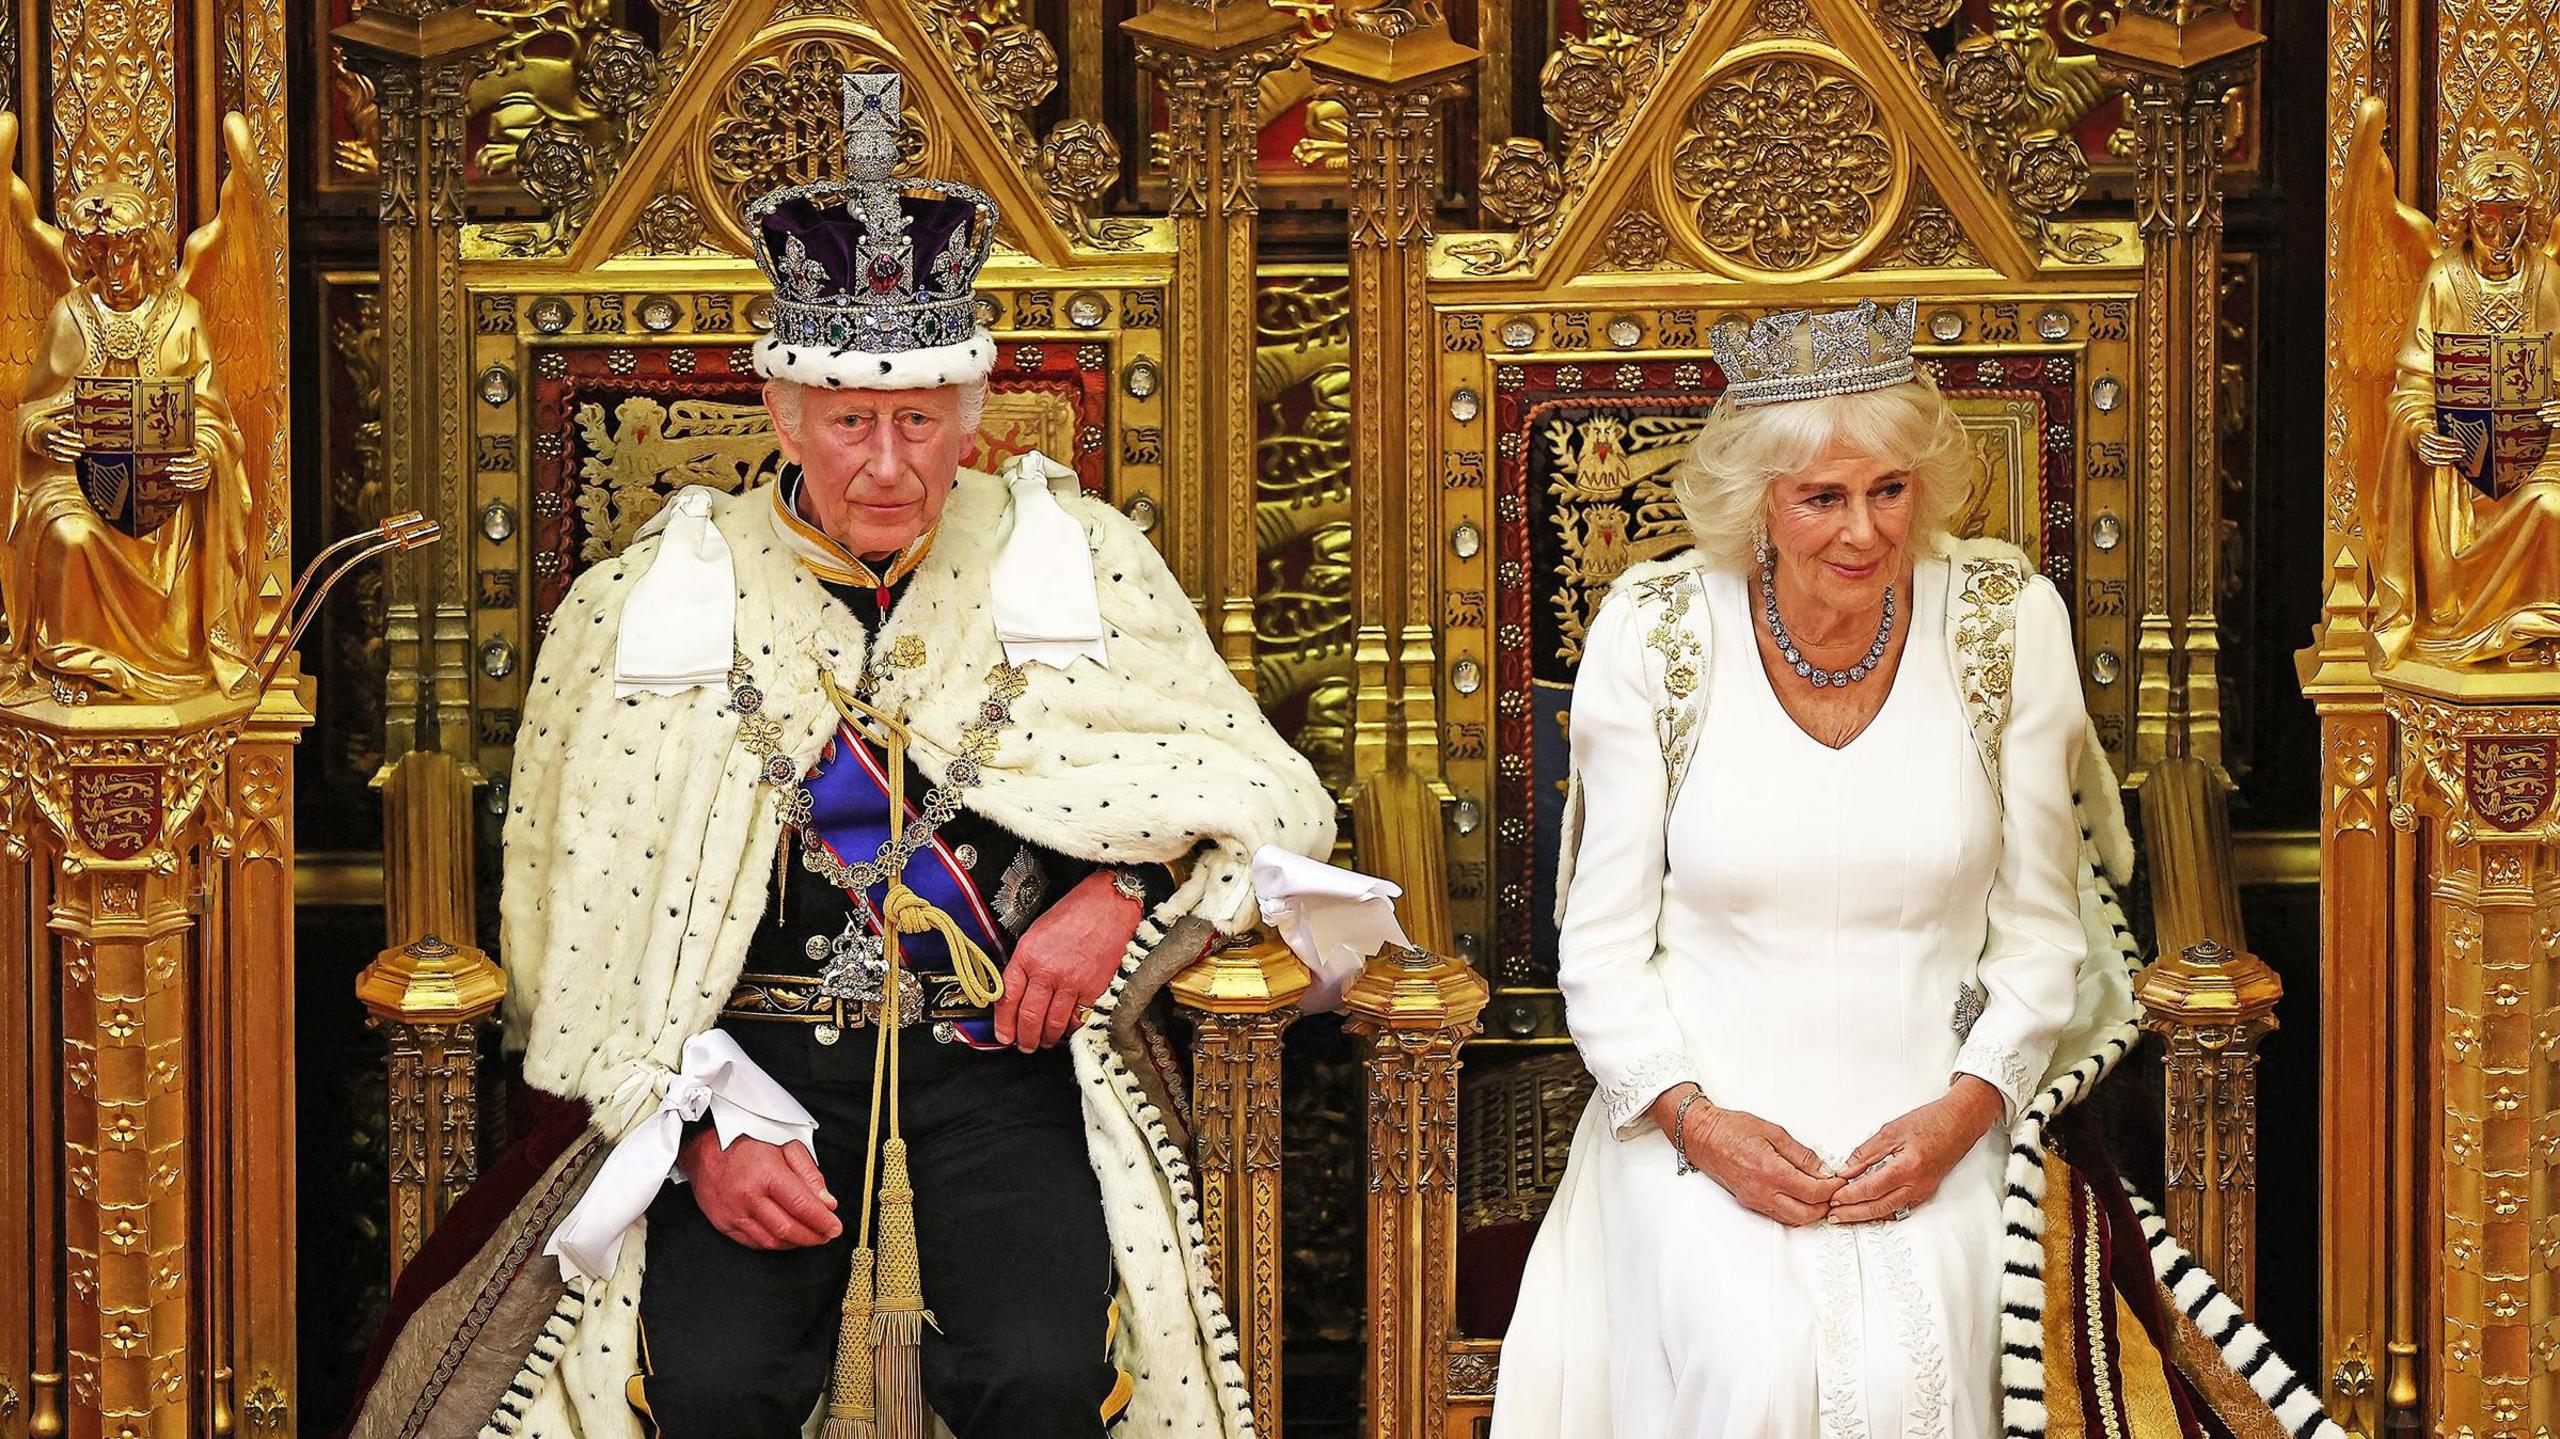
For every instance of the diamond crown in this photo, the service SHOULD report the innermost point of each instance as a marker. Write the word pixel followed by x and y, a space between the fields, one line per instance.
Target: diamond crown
pixel 873 263
pixel 1808 354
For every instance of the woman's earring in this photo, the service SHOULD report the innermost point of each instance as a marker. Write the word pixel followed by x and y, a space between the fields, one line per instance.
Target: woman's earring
pixel 1760 547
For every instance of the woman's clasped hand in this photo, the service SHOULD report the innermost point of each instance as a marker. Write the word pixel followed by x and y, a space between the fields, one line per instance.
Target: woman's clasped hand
pixel 1769 1172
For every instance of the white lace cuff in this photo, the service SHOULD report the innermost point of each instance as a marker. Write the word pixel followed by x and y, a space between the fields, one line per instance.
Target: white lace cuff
pixel 2005 1069
pixel 1642 1082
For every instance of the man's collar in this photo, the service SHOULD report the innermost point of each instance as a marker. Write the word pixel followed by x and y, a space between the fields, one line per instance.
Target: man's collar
pixel 828 560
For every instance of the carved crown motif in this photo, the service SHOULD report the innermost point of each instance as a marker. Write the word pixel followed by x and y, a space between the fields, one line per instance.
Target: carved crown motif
pixel 1807 354
pixel 872 264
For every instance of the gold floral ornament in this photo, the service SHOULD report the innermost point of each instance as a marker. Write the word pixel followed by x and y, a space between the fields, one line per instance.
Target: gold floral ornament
pixel 139 409
pixel 2047 172
pixel 1982 80
pixel 1080 159
pixel 1017 67
pixel 1583 86
pixel 1521 182
pixel 1644 19
pixel 618 74
pixel 1636 242
pixel 1786 163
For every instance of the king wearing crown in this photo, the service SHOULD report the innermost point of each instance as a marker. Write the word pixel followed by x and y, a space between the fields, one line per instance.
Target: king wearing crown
pixel 856 822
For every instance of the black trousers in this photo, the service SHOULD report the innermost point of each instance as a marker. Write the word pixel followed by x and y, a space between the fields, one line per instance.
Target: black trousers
pixel 1009 1229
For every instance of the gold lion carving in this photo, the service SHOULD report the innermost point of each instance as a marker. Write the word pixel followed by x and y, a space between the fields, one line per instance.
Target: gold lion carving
pixel 138 406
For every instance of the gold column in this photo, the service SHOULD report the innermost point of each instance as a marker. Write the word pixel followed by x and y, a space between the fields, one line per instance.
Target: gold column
pixel 1391 66
pixel 2368 1262
pixel 1211 56
pixel 2177 59
pixel 1415 1008
pixel 430 992
pixel 1241 996
pixel 2477 778
pixel 430 999
pixel 419 56
pixel 2211 1005
pixel 120 793
pixel 2211 1001
pixel 245 1028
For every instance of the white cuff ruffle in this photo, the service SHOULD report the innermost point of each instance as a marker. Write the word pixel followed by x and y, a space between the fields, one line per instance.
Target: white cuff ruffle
pixel 718 1079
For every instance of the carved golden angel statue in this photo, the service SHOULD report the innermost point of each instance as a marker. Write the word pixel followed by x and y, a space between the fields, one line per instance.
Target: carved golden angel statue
pixel 2450 346
pixel 137 408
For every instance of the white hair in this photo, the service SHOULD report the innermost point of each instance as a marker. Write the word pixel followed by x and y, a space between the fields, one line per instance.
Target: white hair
pixel 789 399
pixel 1743 450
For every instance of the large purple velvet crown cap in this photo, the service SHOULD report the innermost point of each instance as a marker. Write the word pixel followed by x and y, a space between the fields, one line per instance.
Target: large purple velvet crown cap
pixel 874 277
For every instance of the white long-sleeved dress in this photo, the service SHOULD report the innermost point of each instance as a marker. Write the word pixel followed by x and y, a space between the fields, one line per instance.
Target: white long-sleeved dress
pixel 1795 935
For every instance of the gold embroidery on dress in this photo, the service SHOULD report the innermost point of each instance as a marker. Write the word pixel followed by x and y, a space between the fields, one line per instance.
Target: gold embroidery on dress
pixel 1989 591
pixel 1683 665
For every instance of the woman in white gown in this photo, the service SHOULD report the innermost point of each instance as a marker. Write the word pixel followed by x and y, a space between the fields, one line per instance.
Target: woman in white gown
pixel 1818 969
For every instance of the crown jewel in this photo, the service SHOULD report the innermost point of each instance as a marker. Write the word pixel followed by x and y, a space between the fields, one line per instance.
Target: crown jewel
pixel 1807 354
pixel 873 276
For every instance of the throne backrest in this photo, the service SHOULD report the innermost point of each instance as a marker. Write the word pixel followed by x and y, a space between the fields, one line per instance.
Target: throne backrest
pixel 609 346
pixel 1716 162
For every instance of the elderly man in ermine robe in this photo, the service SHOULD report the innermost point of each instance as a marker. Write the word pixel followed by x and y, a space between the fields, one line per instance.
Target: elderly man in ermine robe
pixel 699 848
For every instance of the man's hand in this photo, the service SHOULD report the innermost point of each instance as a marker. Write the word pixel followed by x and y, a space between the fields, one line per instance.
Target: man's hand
pixel 1064 962
pixel 1905 1162
pixel 765 1196
pixel 1758 1163
pixel 2437 448
pixel 2549 413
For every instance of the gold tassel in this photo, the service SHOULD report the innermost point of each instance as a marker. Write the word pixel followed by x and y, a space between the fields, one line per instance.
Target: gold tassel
pixel 850 1402
pixel 897 1326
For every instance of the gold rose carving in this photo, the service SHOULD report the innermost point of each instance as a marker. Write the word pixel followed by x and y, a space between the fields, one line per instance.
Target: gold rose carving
pixel 1788 166
pixel 2448 350
pixel 136 407
pixel 1521 182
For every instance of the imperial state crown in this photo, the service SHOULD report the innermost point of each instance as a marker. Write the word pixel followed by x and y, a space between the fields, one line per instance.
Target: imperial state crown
pixel 874 277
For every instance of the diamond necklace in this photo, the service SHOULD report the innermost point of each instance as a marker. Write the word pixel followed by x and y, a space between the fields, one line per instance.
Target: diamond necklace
pixel 1821 678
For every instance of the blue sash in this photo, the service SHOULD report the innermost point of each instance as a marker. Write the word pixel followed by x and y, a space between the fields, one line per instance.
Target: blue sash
pixel 849 815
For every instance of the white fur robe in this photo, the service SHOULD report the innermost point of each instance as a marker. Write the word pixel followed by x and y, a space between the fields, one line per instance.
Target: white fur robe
pixel 640 837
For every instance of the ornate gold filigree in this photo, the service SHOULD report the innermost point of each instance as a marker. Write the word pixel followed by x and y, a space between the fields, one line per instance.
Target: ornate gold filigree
pixel 1017 67
pixel 1583 85
pixel 1788 165
pixel 1080 160
pixel 670 224
pixel 115 92
pixel 1590 88
pixel 1302 516
pixel 1006 71
pixel 779 121
pixel 1636 241
pixel 1521 183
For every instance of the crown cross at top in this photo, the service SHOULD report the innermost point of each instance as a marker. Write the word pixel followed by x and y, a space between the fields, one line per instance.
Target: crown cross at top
pixel 1805 355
